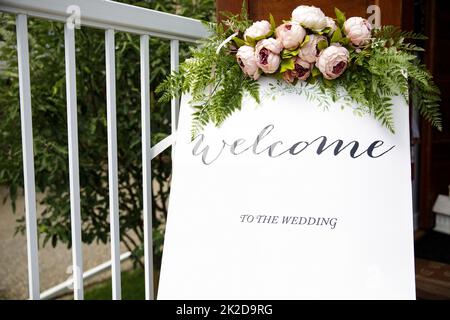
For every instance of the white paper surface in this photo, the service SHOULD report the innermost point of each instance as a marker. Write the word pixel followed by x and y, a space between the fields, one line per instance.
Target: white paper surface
pixel 209 253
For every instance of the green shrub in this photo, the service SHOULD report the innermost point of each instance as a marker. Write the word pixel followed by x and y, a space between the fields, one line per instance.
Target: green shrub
pixel 47 71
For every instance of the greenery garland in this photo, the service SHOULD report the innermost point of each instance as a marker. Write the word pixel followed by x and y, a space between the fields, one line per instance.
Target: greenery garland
pixel 383 66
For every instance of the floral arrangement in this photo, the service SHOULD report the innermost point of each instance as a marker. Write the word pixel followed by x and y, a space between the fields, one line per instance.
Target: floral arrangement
pixel 346 59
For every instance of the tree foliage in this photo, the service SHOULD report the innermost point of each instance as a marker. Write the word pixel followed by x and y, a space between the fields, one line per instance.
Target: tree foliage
pixel 47 71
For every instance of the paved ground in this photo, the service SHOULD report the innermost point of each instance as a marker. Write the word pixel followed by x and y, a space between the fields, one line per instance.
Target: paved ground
pixel 53 262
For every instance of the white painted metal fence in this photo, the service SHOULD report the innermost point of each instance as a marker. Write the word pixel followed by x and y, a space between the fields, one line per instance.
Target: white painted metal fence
pixel 111 17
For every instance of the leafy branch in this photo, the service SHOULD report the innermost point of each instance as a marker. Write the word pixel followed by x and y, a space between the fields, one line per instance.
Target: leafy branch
pixel 217 71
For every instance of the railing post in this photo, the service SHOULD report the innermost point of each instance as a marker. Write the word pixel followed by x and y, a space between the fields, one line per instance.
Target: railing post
pixel 146 167
pixel 110 16
pixel 112 163
pixel 72 128
pixel 28 155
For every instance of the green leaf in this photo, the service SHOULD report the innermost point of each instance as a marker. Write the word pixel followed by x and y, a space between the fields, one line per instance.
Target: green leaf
pixel 324 31
pixel 311 80
pixel 327 82
pixel 340 16
pixel 322 44
pixel 244 11
pixel 250 41
pixel 337 35
pixel 305 41
pixel 239 42
pixel 287 64
pixel 315 72
pixel 264 36
pixel 273 24
pixel 344 41
pixel 285 54
pixel 278 76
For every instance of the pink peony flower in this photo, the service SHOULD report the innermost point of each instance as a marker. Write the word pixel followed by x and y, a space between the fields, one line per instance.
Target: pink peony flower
pixel 309 17
pixel 267 53
pixel 247 61
pixel 309 52
pixel 333 61
pixel 258 29
pixel 302 71
pixel 290 35
pixel 358 30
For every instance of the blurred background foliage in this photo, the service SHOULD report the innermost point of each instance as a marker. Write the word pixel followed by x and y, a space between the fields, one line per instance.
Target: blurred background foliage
pixel 46 42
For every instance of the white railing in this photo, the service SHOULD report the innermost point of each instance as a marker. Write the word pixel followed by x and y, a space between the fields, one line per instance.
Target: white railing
pixel 111 17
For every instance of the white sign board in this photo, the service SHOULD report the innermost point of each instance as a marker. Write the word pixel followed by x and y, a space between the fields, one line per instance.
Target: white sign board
pixel 287 200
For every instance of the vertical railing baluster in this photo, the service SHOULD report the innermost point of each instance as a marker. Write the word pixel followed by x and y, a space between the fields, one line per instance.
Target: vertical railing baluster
pixel 146 167
pixel 112 163
pixel 28 155
pixel 175 103
pixel 72 129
